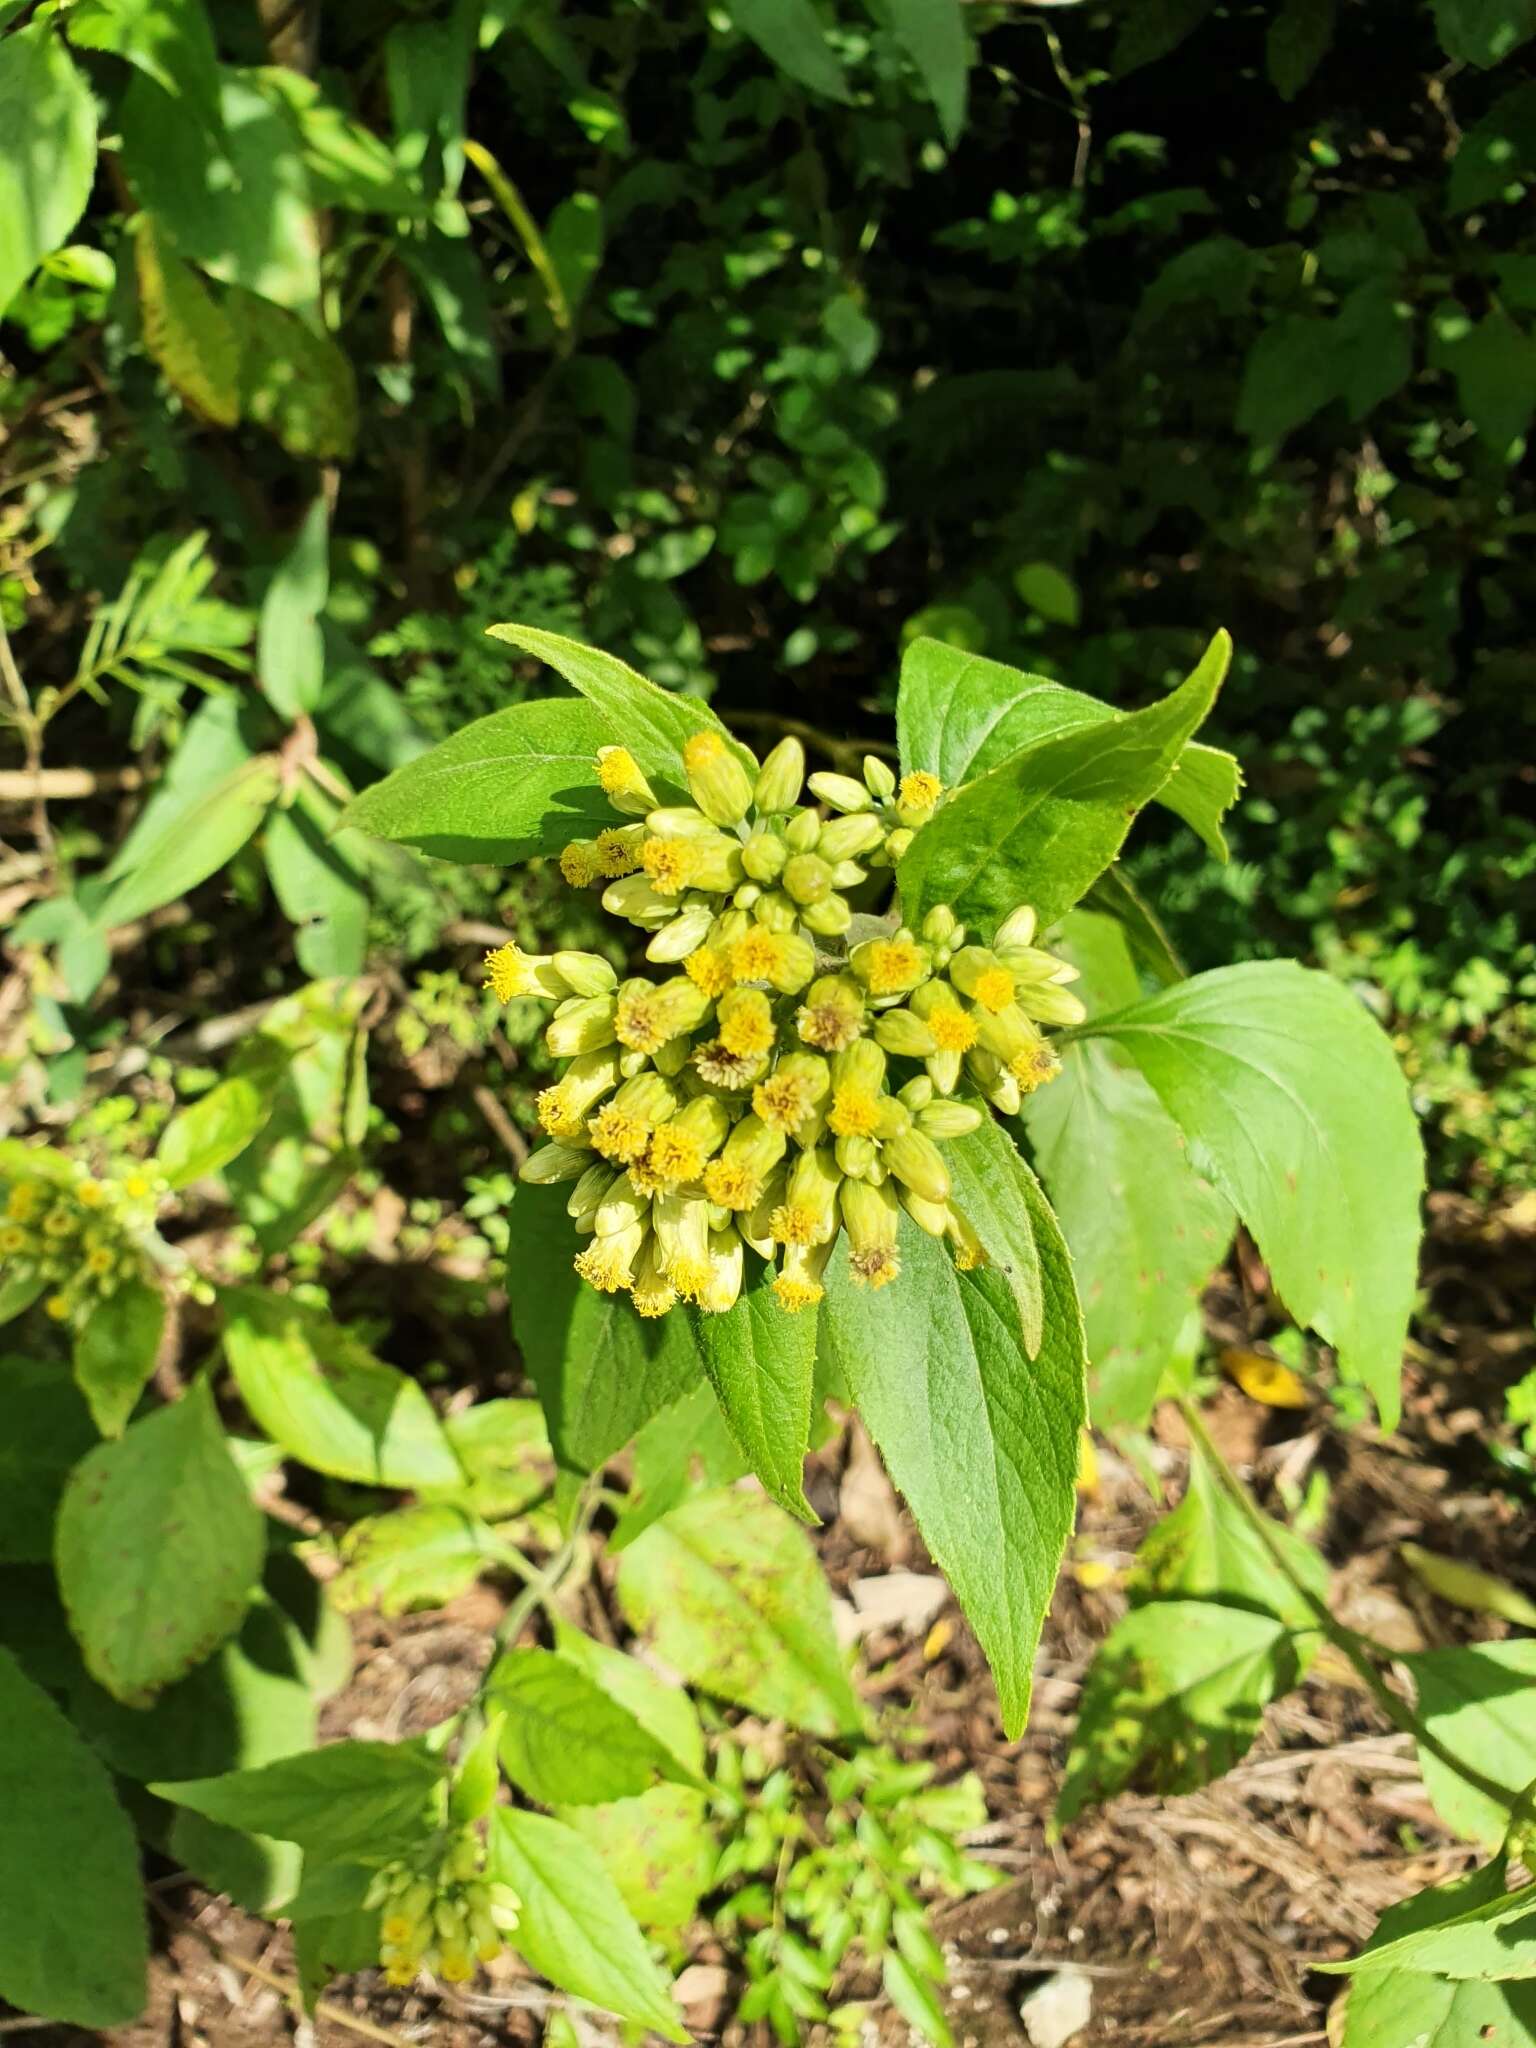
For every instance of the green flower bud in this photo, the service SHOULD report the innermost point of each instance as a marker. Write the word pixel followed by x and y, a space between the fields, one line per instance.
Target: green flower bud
pixel 915 1094
pixel 622 782
pixel 584 1024
pixel 748 896
pixel 585 974
pixel 621 1208
pixel 930 1216
pixel 994 1080
pixel 841 792
pixel 894 1118
pixel 755 1224
pixel 802 832
pixel 678 821
pixel 945 1119
pixel 781 777
pixel 830 918
pixel 847 874
pixel 916 1161
pixel 879 777
pixel 763 856
pixel 718 865
pixel 777 911
pixel 553 1163
pixel 904 1033
pixel 872 1218
pixel 807 878
pixel 589 1192
pixel 897 843
pixel 683 934
pixel 856 1157
pixel 671 1058
pixel 1017 928
pixel 717 781
pixel 847 837
pixel 1048 1003
pixel 633 898
pixel 940 925
pixel 726 1267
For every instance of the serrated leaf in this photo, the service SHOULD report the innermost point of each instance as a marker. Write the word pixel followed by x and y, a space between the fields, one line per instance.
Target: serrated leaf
pixel 663 1709
pixel 421 1556
pixel 1477 1702
pixel 114 1352
pixel 48 119
pixel 1044 825
pixel 1173 1699
pixel 761 1364
pixel 995 1191
pixel 47 1428
pixel 727 1591
pixel 186 330
pixel 1290 1094
pixel 73 1941
pixel 959 716
pixel 938 1371
pixel 791 33
pixel 574 1927
pixel 158 1548
pixel 659 1849
pixel 1490 1941
pixel 371 1800
pixel 565 1741
pixel 518 783
pixel 932 32
pixel 1388 2007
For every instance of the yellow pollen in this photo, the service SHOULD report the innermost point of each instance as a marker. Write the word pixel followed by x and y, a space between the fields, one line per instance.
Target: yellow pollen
pixel 670 863
pixel 709 970
pixel 689 1276
pixel 618 1135
pixel 731 1184
pixel 57 1307
pixel 397 1929
pixel 754 957
pixel 855 1112
pixel 12 1239
pixel 400 1974
pixel 701 749
pixel 746 1032
pixel 578 864
pixel 644 1179
pixel 556 1113
pixel 794 1295
pixel 136 1187
pixel 603 1265
pixel 828 1026
pixel 721 1068
pixel 894 965
pixel 874 1268
pixel 674 1156
pixel 98 1259
pixel 791 1224
pixel 614 854
pixel 89 1194
pixel 783 1100
pixel 953 1030
pixel 617 770
pixel 994 989
pixel 654 1301
pixel 638 1025
pixel 920 790
pixel 1033 1067
pixel 968 1257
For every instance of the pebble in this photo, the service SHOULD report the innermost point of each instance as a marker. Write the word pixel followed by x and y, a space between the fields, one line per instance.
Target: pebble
pixel 1056 2011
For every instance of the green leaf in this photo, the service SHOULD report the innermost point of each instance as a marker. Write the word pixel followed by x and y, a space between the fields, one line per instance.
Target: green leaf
pixel 315 877
pixel 791 33
pixel 932 32
pixel 565 1741
pixel 958 716
pixel 1291 373
pixel 422 1556
pixel 1041 828
pixel 1296 1110
pixel 1300 37
pixel 290 651
pixel 1208 1550
pixel 600 1370
pixel 685 1445
pixel 1483 31
pixel 1145 1231
pixel 48 119
pixel 1388 2007
pixel 371 1800
pixel 505 1451
pixel 653 723
pixel 1494 365
pixel 1491 1941
pixel 662 1709
pixel 1173 1699
pixel 659 1849
pixel 348 164
pixel 73 1943
pixel 1477 1702
pixel 296 383
pixel 914 1998
pixel 216 1128
pixel 158 1547
pixel 1152 29
pixel 245 216
pixel 574 1927
pixel 727 1591
pixel 194 841
pixel 1050 593
pixel 574 243
pixel 46 1430
pixel 327 1400
pixel 168 40
pixel 1496 158
pixel 761 1363
pixel 186 330
pixel 18 1291
pixel 518 783
pixel 115 1351
pixel 937 1368
pixel 997 1194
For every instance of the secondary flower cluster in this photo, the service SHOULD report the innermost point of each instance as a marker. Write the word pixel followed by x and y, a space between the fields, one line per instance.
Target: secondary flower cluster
pixel 787 1078
pixel 440 1913
pixel 71 1236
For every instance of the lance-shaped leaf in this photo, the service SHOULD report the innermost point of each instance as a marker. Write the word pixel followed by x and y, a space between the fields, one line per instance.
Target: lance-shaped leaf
pixel 365 1799
pixel 761 1363
pixel 1387 2007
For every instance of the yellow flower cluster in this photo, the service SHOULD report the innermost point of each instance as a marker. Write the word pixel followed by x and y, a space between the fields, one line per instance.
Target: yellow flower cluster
pixel 747 1099
pixel 71 1236
pixel 440 1913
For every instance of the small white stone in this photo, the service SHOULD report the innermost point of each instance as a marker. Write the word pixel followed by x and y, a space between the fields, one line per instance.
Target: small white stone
pixel 1056 2011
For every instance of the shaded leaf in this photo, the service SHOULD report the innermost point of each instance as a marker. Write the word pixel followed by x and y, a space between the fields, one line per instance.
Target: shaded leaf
pixel 114 1352
pixel 47 1428
pixel 368 1799
pixel 791 33
pixel 186 330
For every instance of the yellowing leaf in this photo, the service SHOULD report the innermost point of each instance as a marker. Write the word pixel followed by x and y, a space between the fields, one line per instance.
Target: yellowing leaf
pixel 1463 1585
pixel 1265 1379
pixel 186 330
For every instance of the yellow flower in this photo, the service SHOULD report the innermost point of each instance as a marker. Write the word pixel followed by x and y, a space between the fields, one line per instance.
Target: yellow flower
pixel 578 863
pixel 709 969
pixel 1034 1066
pixel 670 864
pixel 746 1022
pixel 919 791
pixel 617 851
pixel 798 1285
pixel 755 957
pixel 608 1262
pixel 889 967
pixel 509 972
pixel 717 781
pixel 57 1306
pixel 622 782
pixel 21 1203
pixel 90 1194
pixel 993 989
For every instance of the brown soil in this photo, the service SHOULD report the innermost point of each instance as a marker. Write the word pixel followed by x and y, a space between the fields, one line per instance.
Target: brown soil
pixel 1198 1919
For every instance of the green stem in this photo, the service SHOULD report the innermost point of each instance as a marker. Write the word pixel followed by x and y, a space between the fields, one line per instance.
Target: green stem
pixel 1359 1649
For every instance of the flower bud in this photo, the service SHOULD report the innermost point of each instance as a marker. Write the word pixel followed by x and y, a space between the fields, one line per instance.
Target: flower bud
pixel 832 1015
pixel 978 973
pixel 879 777
pixel 897 843
pixel 1017 928
pixel 755 1224
pixel 830 918
pixel 682 1233
pixel 802 832
pixel 653 1292
pixel 585 974
pixel 678 821
pixel 915 1094
pixel 915 1160
pixel 841 792
pixel 622 782
pixel 777 911
pixel 940 925
pixel 510 972
pixel 916 797
pixel 904 1033
pixel 553 1163
pixel 798 1285
pixel 718 865
pixel 994 1080
pixel 564 1107
pixel 847 874
pixel 763 856
pixel 621 1208
pixel 717 781
pixel 970 1252
pixel 747 896
pixel 930 1216
pixel 846 838
pixel 682 934
pixel 872 1217
pixel 807 878
pixel 726 1266
pixel 671 1058
pixel 589 1192
pixel 633 898
pixel 584 1024
pixel 1048 1003
pixel 856 1157
pixel 809 1213
pixel 945 1119
pixel 781 777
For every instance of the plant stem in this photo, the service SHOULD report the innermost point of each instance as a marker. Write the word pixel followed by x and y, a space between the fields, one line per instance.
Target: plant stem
pixel 1360 1650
